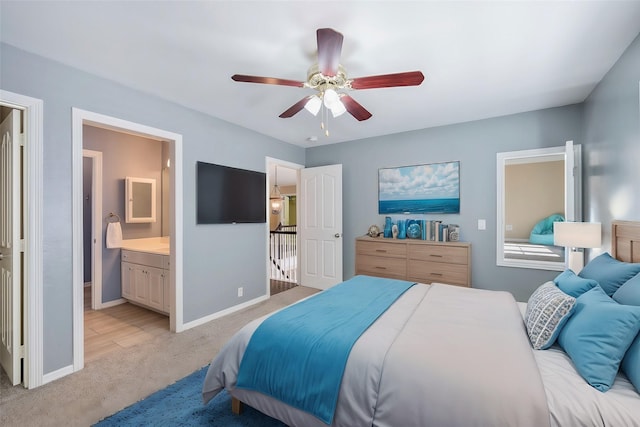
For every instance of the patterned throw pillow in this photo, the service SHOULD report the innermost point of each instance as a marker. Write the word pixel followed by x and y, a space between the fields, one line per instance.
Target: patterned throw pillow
pixel 548 309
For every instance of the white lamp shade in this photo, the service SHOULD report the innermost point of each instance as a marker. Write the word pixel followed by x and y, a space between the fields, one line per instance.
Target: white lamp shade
pixel 577 234
pixel 313 105
pixel 338 108
pixel 330 98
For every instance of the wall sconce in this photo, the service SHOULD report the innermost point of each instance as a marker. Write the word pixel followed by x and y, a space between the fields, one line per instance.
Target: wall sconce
pixel 574 236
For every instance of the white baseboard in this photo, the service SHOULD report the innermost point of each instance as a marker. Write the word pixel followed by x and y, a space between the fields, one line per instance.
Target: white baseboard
pixel 218 314
pixel 112 303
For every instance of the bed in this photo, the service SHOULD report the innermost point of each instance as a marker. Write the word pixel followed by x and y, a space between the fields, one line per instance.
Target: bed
pixel 443 355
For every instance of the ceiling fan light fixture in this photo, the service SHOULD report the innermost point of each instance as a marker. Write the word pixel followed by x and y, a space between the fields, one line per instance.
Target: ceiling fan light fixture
pixel 338 109
pixel 328 78
pixel 313 105
pixel 330 98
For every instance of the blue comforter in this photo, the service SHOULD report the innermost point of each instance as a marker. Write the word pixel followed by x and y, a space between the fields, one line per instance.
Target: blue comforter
pixel 298 354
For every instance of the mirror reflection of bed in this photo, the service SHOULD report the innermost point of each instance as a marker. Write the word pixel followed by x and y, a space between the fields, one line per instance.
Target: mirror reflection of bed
pixel 538 245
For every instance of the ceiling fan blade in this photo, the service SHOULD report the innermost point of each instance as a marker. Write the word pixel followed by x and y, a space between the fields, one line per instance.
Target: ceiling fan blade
pixel 266 80
pixel 295 108
pixel 329 49
pixel 355 109
pixel 410 78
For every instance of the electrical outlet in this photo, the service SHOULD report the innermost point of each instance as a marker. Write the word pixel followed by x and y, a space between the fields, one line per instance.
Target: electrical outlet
pixel 240 291
pixel 482 224
pixel 509 227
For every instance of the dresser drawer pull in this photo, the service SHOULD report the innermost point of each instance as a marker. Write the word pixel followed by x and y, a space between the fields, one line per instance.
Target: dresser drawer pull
pixel 436 256
pixel 381 268
pixel 437 274
pixel 381 250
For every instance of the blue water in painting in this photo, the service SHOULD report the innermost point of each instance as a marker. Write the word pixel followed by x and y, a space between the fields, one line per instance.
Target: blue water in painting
pixel 419 206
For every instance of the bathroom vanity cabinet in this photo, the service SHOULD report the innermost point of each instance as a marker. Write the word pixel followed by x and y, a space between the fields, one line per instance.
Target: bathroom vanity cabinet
pixel 146 279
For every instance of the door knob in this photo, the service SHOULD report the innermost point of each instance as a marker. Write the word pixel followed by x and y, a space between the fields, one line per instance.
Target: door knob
pixel 1 256
pixel 337 235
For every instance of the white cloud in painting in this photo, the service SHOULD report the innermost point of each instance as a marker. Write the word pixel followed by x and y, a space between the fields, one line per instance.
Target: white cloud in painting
pixel 434 181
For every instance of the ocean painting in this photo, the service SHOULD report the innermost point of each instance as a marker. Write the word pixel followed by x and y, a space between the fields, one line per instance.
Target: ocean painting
pixel 422 189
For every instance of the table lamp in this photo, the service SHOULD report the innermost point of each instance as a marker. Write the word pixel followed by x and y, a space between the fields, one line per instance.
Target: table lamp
pixel 575 236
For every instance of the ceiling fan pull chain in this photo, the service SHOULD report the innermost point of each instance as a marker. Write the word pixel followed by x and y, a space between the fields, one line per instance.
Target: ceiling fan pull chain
pixel 326 118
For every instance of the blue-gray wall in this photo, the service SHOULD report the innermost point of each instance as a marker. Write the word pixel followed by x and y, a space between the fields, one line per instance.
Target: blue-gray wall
pixel 217 258
pixel 612 145
pixel 475 145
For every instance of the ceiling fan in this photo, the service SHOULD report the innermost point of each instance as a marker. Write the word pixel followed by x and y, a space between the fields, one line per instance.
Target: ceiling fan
pixel 329 78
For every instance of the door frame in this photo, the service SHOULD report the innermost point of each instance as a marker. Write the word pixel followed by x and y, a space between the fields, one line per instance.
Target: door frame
pixel 96 227
pixel 33 288
pixel 268 162
pixel 80 118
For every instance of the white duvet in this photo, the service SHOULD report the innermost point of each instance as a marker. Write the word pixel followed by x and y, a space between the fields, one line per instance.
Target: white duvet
pixel 440 356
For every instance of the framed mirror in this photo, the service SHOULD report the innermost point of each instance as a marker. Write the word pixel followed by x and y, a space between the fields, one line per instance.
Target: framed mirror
pixel 536 188
pixel 140 194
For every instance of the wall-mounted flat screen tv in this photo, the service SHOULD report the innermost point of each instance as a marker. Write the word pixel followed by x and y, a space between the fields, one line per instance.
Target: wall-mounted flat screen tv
pixel 227 195
pixel 419 189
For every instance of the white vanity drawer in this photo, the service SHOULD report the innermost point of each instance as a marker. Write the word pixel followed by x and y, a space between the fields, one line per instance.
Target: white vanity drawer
pixel 144 258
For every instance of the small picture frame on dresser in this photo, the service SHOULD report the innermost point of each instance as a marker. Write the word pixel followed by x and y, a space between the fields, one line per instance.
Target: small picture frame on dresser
pixel 454 233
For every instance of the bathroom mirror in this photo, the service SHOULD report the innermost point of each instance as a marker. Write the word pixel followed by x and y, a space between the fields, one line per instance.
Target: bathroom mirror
pixel 140 199
pixel 534 189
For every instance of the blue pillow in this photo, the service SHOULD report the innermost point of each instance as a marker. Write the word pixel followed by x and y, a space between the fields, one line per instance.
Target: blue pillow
pixel 548 309
pixel 631 363
pixel 629 293
pixel 609 272
pixel 598 335
pixel 573 285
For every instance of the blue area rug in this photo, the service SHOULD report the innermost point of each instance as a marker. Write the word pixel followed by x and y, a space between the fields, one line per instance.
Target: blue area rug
pixel 180 404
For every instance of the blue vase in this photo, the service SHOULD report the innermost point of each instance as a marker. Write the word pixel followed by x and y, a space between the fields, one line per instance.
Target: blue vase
pixel 387 227
pixel 402 229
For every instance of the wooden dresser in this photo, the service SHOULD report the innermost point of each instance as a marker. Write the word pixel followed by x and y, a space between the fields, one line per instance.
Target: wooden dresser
pixel 415 260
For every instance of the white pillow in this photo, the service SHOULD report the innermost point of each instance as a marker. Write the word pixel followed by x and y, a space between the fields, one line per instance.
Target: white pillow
pixel 548 309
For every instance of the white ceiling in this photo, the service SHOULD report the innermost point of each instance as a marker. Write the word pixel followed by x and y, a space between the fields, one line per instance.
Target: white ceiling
pixel 480 59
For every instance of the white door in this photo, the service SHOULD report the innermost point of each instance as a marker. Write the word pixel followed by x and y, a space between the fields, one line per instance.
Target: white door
pixel 321 226
pixel 10 273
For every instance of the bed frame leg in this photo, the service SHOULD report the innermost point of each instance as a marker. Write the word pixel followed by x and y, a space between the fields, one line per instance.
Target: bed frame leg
pixel 236 406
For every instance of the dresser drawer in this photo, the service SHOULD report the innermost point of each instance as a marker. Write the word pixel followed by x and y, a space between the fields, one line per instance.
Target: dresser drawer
pixel 370 265
pixel 429 272
pixel 385 249
pixel 144 258
pixel 439 253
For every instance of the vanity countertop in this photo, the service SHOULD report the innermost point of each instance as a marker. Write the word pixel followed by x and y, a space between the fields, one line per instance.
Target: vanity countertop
pixel 153 245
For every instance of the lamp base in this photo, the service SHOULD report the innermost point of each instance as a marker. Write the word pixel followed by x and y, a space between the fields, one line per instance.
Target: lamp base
pixel 576 260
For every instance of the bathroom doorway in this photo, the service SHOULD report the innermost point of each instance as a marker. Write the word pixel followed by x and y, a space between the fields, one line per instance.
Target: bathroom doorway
pixel 82 122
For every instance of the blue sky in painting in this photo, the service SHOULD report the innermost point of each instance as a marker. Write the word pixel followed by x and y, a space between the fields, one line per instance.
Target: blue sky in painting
pixel 433 181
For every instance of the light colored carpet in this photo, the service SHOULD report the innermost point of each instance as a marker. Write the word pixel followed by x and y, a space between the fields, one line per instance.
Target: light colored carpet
pixel 121 378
